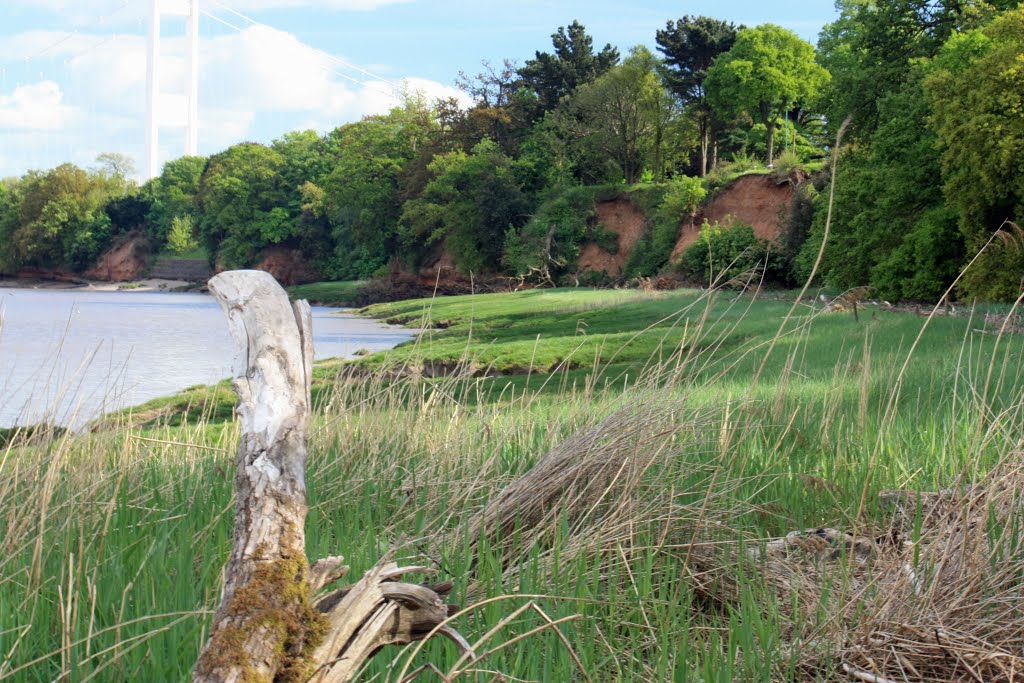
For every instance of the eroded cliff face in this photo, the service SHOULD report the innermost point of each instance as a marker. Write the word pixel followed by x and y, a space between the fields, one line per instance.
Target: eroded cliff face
pixel 760 200
pixel 625 219
pixel 288 266
pixel 126 260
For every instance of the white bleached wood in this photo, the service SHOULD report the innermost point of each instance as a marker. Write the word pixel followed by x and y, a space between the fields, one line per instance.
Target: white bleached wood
pixel 269 625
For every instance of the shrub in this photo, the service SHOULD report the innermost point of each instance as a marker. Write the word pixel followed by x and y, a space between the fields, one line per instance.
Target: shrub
pixel 723 174
pixel 181 237
pixel 785 164
pixel 723 252
pixel 926 260
pixel 998 274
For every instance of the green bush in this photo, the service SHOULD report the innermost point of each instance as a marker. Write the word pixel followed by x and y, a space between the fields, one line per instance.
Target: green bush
pixel 998 274
pixel 723 174
pixel 568 218
pixel 181 237
pixel 682 197
pixel 723 252
pixel 926 260
pixel 785 165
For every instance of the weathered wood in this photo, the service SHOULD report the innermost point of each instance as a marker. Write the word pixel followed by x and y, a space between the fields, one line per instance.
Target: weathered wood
pixel 271 625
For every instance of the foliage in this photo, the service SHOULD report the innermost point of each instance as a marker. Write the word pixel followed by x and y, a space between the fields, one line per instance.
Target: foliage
pixel 471 203
pixel 625 108
pixel 172 194
pixel 768 71
pixel 924 262
pixel 550 241
pixel 974 86
pixel 998 274
pixel 181 239
pixel 723 175
pixel 573 63
pixel 116 165
pixel 724 252
pixel 361 195
pixel 873 46
pixel 682 197
pixel 57 219
pixel 242 199
pixel 889 208
pixel 690 46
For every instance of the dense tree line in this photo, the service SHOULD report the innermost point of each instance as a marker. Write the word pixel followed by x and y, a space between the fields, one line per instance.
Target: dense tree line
pixel 932 172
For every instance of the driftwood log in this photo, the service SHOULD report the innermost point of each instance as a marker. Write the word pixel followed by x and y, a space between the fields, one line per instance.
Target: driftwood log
pixel 274 622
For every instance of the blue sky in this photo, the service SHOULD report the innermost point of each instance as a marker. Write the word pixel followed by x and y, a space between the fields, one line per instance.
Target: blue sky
pixel 72 72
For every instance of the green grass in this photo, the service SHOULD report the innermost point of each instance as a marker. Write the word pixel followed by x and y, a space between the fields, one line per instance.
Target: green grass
pixel 114 540
pixel 199 253
pixel 341 293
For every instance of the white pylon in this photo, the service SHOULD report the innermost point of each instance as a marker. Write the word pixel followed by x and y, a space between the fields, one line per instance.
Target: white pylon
pixel 190 10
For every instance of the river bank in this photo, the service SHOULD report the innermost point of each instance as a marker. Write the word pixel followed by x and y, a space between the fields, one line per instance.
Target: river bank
pixel 71 284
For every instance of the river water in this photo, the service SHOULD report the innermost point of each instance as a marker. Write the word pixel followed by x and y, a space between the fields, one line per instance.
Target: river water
pixel 68 356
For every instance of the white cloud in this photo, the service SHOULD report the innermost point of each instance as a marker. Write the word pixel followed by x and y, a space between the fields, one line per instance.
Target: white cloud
pixel 39 106
pixel 103 11
pixel 338 5
pixel 256 84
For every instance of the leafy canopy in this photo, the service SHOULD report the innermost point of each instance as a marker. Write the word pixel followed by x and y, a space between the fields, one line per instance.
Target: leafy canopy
pixel 768 71
pixel 573 63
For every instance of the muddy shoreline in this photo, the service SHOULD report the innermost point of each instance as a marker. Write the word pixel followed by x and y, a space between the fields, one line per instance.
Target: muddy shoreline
pixel 141 285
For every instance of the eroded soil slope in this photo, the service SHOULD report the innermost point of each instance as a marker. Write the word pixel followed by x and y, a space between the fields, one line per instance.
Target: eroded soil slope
pixel 625 219
pixel 759 200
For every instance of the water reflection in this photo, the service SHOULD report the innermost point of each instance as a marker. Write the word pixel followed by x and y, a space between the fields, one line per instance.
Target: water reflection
pixel 68 356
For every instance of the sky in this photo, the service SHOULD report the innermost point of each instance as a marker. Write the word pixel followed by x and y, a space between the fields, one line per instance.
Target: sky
pixel 73 72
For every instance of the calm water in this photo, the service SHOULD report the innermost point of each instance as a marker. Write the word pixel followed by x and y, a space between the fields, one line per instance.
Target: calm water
pixel 69 356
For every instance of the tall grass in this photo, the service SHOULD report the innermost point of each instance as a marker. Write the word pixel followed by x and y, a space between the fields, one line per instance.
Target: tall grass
pixel 660 475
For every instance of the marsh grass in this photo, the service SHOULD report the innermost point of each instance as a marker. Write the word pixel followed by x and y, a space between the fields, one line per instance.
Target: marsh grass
pixel 656 466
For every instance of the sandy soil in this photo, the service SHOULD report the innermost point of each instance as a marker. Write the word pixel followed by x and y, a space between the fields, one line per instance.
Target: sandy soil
pixel 626 220
pixel 148 285
pixel 755 199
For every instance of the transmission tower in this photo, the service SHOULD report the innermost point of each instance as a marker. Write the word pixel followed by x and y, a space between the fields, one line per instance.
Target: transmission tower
pixel 178 8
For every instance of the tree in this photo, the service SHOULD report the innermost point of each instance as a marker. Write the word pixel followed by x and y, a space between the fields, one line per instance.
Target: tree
pixel 9 200
pixel 574 63
pixel 172 194
pixel 974 86
pixel 471 203
pixel 871 49
pixel 116 165
pixel 504 109
pixel 60 220
pixel 690 46
pixel 890 228
pixel 362 194
pixel 306 158
pixel 181 239
pixel 768 71
pixel 242 202
pixel 493 86
pixel 628 112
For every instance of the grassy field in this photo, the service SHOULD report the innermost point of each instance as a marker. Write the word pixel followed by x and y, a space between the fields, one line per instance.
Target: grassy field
pixel 340 293
pixel 678 432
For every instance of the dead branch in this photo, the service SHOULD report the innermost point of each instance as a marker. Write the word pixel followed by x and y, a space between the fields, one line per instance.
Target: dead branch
pixel 271 625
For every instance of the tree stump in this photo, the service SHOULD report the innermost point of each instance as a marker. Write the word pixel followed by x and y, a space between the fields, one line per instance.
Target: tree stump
pixel 273 623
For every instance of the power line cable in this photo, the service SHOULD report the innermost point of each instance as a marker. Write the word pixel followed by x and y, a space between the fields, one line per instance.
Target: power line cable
pixel 333 58
pixel 74 32
pixel 369 86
